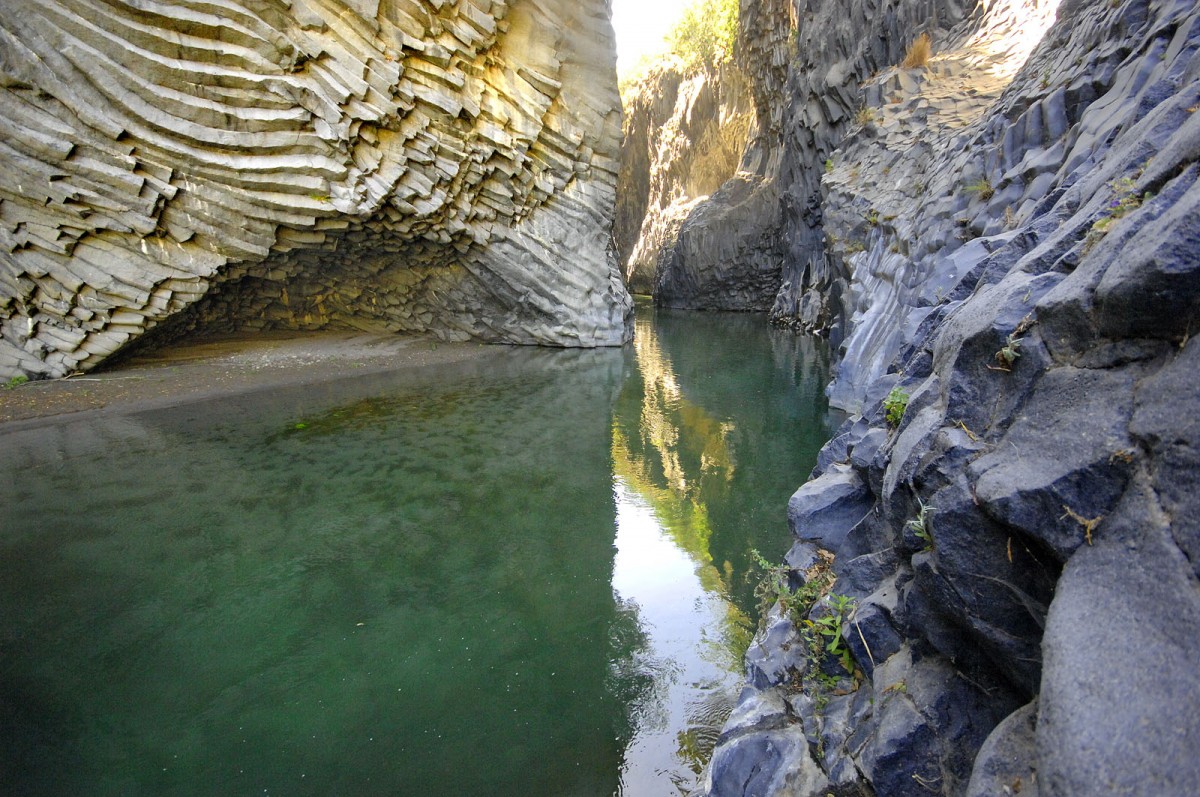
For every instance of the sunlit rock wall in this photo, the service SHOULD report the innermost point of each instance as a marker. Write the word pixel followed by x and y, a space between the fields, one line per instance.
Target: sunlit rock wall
pixel 404 165
pixel 762 236
pixel 684 134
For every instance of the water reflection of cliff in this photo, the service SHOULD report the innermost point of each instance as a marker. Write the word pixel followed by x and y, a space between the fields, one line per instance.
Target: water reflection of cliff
pixel 678 456
pixel 718 419
pixel 716 428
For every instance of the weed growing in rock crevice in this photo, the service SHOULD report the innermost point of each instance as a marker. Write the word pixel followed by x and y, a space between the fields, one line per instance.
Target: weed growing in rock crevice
pixel 774 586
pixel 981 188
pixel 1008 354
pixel 895 405
pixel 819 614
pixel 919 525
pixel 1124 201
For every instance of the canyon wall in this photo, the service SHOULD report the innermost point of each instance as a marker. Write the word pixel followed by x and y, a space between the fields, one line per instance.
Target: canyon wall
pixel 684 135
pixel 1008 255
pixel 398 165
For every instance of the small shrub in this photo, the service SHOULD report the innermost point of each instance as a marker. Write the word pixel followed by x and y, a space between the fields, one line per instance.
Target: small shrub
pixel 773 587
pixel 828 165
pixel 830 627
pixel 895 405
pixel 865 116
pixel 918 52
pixel 16 382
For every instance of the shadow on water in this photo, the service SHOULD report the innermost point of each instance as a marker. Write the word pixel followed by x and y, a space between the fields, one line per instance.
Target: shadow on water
pixel 464 579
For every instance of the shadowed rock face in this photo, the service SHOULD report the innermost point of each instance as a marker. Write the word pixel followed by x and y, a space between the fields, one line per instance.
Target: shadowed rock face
pixel 1013 246
pixel 402 165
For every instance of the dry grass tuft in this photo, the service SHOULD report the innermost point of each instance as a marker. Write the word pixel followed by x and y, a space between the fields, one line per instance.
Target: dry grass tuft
pixel 918 52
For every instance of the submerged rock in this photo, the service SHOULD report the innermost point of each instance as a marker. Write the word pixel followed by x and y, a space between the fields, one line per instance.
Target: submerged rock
pixel 396 166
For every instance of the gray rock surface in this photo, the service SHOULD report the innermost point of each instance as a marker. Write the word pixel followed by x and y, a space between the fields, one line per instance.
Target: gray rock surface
pixel 402 165
pixel 684 134
pixel 1012 242
pixel 1006 763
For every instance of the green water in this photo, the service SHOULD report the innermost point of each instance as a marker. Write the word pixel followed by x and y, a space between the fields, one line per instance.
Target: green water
pixel 524 575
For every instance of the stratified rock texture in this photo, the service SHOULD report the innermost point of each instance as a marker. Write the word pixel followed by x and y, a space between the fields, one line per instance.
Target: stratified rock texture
pixel 402 165
pixel 1013 245
pixel 684 134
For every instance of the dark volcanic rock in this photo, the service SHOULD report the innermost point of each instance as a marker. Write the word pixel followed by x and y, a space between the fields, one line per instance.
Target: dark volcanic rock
pixel 684 134
pixel 765 764
pixel 1046 475
pixel 1120 695
pixel 1007 762
pixel 726 254
pixel 825 509
pixel 1020 258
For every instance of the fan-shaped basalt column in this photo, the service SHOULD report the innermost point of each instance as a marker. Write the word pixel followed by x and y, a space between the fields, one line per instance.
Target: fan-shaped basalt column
pixel 403 165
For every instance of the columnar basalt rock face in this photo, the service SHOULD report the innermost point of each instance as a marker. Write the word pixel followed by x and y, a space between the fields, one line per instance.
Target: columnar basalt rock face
pixel 684 135
pixel 1015 243
pixel 805 63
pixel 405 165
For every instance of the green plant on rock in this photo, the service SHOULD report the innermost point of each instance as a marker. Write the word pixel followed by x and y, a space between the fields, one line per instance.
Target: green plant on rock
pixel 873 217
pixel 1008 354
pixel 828 165
pixel 981 188
pixel 821 628
pixel 919 525
pixel 1125 200
pixel 16 382
pixel 827 629
pixel 895 405
pixel 864 116
pixel 774 586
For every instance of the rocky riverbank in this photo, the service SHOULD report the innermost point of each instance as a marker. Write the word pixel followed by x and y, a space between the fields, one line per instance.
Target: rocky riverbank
pixel 1002 239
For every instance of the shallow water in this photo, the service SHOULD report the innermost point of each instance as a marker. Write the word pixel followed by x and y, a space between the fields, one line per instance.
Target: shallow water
pixel 525 575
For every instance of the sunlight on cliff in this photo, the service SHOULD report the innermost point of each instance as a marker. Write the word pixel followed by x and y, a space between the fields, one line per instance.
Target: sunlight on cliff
pixel 1012 30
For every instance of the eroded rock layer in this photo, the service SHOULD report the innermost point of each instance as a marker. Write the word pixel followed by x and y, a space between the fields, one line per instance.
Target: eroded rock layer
pixel 684 135
pixel 405 165
pixel 1013 235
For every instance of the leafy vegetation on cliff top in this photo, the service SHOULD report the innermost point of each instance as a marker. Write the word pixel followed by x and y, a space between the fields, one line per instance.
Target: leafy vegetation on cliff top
pixel 704 36
pixel 706 33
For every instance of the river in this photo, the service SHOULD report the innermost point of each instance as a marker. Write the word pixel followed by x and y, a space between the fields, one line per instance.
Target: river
pixel 524 575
